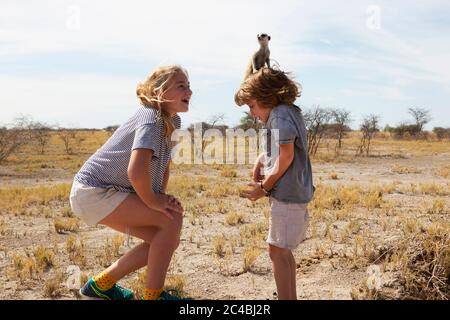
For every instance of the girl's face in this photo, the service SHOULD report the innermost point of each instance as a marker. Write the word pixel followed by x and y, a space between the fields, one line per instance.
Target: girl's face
pixel 258 110
pixel 178 94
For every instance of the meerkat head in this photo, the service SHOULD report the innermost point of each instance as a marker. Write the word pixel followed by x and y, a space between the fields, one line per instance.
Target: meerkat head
pixel 263 38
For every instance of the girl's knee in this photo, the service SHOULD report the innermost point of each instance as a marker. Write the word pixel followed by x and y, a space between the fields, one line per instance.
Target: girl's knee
pixel 176 223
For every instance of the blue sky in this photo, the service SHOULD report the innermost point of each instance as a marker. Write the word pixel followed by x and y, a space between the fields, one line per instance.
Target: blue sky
pixel 76 63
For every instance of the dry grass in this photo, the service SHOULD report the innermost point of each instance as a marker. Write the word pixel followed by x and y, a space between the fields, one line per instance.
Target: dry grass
pixel 233 218
pixel 443 172
pixel 76 250
pixel 219 246
pixel 228 173
pixel 249 256
pixel 45 258
pixel 400 225
pixel 66 224
pixel 420 265
pixel 404 170
pixel 53 286
pixel 14 200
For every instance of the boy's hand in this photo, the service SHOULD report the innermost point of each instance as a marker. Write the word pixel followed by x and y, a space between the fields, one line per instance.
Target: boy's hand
pixel 253 194
pixel 257 176
pixel 257 168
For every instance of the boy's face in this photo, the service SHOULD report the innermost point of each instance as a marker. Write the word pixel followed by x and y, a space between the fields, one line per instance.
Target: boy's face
pixel 259 111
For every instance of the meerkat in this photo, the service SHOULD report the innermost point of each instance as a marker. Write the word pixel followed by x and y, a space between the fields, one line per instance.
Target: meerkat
pixel 260 57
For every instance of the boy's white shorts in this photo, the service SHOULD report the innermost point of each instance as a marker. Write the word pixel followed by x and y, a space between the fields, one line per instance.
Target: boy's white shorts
pixel 288 224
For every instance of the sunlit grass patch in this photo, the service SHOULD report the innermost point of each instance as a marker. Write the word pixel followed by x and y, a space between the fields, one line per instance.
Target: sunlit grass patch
pixel 404 170
pixel 434 189
pixel 53 286
pixel 420 264
pixel 24 267
pixel 66 224
pixel 76 250
pixel 232 218
pixel 438 206
pixel 219 246
pixel 228 172
pixel 45 257
pixel 443 172
pixel 17 198
pixel 249 256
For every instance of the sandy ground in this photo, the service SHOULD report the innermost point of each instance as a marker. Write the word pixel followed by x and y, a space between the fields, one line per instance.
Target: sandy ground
pixel 204 274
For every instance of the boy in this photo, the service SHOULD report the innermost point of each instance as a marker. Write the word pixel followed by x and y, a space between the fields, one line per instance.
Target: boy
pixel 270 95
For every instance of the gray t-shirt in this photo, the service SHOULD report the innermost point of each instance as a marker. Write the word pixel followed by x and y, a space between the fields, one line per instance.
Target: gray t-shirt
pixel 296 185
pixel 108 166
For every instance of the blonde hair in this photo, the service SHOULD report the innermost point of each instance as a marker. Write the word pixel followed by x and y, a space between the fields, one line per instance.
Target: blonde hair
pixel 151 91
pixel 270 87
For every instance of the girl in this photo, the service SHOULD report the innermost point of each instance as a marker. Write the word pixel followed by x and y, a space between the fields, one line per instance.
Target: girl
pixel 122 185
pixel 270 95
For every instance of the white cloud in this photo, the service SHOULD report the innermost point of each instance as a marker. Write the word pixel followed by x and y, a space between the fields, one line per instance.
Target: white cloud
pixel 81 100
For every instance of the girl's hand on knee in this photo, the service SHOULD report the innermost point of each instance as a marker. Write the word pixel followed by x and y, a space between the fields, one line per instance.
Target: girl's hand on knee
pixel 175 201
pixel 163 204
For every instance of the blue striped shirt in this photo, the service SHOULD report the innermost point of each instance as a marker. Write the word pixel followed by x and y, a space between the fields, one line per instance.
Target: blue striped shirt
pixel 107 167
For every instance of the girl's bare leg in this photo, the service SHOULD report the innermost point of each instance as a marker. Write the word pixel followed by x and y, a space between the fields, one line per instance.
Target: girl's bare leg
pixel 161 236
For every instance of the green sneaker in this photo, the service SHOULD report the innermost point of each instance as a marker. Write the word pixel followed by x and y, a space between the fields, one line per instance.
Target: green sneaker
pixel 91 291
pixel 171 294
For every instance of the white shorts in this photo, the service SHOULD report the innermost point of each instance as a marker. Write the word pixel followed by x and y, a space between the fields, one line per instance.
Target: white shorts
pixel 93 204
pixel 288 224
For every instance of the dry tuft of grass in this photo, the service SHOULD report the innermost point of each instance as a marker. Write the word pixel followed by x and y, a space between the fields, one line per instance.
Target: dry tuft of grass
pixel 24 267
pixel 228 172
pixel 75 249
pixel 438 206
pixel 232 218
pixel 434 189
pixel 66 224
pixel 443 172
pixel 249 256
pixel 333 176
pixel 404 170
pixel 53 286
pixel 175 281
pixel 45 258
pixel 219 246
pixel 419 266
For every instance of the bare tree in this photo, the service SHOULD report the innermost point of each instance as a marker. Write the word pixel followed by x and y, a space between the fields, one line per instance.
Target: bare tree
pixel 14 136
pixel 41 132
pixel 316 121
pixel 421 117
pixel 215 119
pixel 249 122
pixel 69 138
pixel 341 119
pixel 368 127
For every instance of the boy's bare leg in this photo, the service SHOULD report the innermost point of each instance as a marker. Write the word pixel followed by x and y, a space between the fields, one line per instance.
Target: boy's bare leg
pixel 293 277
pixel 281 264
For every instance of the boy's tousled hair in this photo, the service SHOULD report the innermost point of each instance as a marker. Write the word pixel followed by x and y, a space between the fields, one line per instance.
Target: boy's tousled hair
pixel 270 87
pixel 150 92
